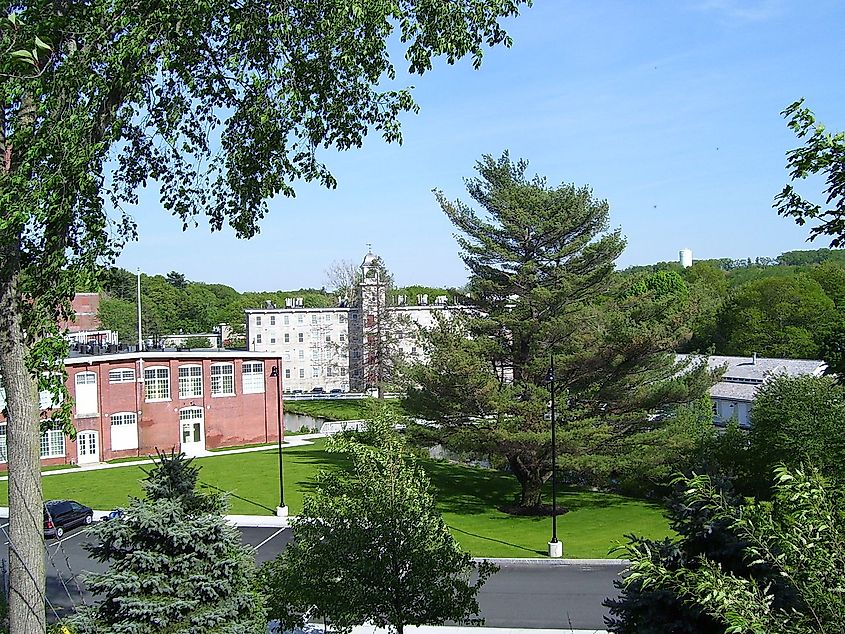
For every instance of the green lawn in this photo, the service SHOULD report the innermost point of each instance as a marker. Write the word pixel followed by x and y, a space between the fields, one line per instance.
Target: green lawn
pixel 468 498
pixel 338 409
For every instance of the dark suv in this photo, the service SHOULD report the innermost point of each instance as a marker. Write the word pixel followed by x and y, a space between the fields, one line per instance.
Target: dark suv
pixel 60 515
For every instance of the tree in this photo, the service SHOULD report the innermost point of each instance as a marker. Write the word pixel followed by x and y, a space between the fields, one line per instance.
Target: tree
pixel 799 420
pixel 371 546
pixel 175 564
pixel 176 279
pixel 788 579
pixel 776 317
pixel 197 342
pixel 541 271
pixel 822 154
pixel 223 104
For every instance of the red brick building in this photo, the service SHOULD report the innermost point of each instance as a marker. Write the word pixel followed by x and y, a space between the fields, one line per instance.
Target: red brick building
pixel 129 404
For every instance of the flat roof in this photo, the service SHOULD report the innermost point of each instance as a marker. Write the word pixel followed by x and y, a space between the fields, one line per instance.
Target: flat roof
pixel 174 354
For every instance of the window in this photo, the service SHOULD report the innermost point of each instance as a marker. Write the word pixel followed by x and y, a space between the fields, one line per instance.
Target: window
pixel 342 337
pixel 354 316
pixel 300 319
pixel 222 379
pixel 287 338
pixel 329 371
pixel 272 320
pixel 313 319
pixel 315 372
pixel 253 377
pixel 53 442
pixel 287 356
pixel 86 393
pixel 341 317
pixel 122 375
pixel 287 320
pixel 301 337
pixel 124 431
pixel 157 384
pixel 328 338
pixel 3 453
pixel 272 340
pixel 258 320
pixel 343 372
pixel 257 338
pixel 287 373
pixel 315 355
pixel 190 381
pixel 302 355
pixel 301 373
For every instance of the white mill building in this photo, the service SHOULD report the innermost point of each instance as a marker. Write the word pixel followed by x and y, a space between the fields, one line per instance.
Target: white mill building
pixel 334 348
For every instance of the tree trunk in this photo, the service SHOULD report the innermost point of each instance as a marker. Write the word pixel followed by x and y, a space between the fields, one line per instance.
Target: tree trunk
pixel 26 514
pixel 531 481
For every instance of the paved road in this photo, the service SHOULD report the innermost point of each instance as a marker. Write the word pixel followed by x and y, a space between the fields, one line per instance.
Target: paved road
pixel 519 595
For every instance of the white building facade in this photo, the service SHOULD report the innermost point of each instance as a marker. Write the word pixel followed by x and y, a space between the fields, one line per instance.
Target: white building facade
pixel 734 395
pixel 334 349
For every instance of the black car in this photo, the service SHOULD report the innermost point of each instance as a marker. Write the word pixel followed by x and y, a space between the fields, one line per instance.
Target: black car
pixel 318 390
pixel 60 515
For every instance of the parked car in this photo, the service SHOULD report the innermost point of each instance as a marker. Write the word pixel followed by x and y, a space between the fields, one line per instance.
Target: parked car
pixel 60 515
pixel 336 390
pixel 318 390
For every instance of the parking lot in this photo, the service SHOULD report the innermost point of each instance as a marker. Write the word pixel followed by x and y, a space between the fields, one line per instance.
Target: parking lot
pixel 67 562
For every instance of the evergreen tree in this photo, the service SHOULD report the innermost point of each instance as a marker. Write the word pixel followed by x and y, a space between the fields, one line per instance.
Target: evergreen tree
pixel 175 565
pixel 371 546
pixel 541 283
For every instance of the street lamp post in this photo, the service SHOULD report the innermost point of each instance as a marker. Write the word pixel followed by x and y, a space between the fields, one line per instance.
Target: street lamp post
pixel 555 546
pixel 282 509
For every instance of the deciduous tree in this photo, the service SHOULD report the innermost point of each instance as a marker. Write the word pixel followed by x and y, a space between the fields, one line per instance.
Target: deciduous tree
pixel 370 546
pixel 224 104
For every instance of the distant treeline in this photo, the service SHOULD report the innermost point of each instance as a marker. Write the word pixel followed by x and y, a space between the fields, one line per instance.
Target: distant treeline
pixel 792 306
pixel 172 304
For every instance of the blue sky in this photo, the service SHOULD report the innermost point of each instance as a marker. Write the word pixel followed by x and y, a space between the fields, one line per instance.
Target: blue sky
pixel 669 110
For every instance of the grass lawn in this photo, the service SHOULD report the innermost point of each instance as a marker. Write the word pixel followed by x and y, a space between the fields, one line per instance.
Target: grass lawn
pixel 338 409
pixel 468 497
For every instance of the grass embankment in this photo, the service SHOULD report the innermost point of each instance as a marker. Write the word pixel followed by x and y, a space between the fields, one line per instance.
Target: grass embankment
pixel 339 409
pixel 468 497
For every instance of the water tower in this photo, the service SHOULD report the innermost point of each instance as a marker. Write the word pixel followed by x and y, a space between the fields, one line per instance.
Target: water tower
pixel 685 256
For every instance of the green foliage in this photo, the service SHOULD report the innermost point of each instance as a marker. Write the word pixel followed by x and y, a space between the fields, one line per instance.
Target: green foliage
pixel 777 317
pixel 175 564
pixel 541 263
pixel 816 256
pixel 197 342
pixel 799 420
pixel 371 547
pixel 788 578
pixel 823 153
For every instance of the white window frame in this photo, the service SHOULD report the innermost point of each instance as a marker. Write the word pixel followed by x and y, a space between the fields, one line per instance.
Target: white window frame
pixel 258 320
pixel 301 373
pixel 4 454
pixel 123 420
pixel 190 381
pixel 301 337
pixel 122 375
pixel 252 377
pixel 287 337
pixel 53 442
pixel 287 320
pixel 158 379
pixel 222 379
pixel 88 378
pixel 258 338
pixel 272 320
pixel 287 373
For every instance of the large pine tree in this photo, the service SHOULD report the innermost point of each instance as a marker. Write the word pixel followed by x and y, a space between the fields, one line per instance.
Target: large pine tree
pixel 541 264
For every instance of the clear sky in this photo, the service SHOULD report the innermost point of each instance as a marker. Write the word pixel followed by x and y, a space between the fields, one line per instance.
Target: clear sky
pixel 668 109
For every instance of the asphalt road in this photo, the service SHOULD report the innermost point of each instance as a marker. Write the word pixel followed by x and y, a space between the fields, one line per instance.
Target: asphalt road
pixel 519 595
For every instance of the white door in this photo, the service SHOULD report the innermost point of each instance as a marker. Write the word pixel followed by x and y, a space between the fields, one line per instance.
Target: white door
pixel 87 449
pixel 192 432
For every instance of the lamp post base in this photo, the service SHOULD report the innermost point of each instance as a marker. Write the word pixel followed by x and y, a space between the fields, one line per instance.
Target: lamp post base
pixel 556 549
pixel 282 511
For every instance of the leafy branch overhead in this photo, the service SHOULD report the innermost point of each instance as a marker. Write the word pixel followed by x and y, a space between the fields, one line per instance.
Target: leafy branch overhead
pixel 823 153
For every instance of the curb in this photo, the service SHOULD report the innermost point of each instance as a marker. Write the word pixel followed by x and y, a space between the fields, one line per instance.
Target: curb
pixel 514 562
